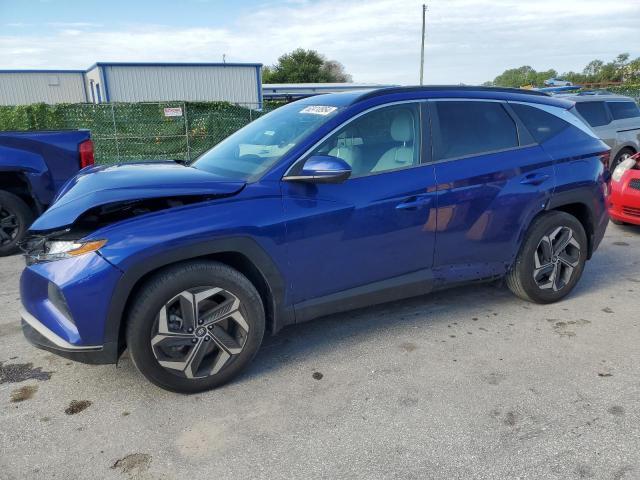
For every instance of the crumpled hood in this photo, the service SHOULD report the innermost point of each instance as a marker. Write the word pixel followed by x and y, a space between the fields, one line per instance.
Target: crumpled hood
pixel 106 184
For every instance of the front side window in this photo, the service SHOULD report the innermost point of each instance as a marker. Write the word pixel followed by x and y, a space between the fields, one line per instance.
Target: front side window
pixel 381 140
pixel 252 150
pixel 622 110
pixel 594 113
pixel 471 128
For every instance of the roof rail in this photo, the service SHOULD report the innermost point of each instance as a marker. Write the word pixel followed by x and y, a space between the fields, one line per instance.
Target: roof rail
pixel 437 88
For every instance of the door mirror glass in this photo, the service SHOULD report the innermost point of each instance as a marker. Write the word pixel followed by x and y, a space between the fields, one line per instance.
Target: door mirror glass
pixel 322 169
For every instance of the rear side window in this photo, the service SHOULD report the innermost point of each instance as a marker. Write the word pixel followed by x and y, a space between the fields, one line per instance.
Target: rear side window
pixel 542 125
pixel 621 110
pixel 467 128
pixel 595 113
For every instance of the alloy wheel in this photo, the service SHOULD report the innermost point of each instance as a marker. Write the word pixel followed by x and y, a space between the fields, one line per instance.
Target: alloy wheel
pixel 9 226
pixel 555 259
pixel 198 332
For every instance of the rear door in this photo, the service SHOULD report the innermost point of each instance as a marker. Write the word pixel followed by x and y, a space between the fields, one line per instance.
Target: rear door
pixel 492 178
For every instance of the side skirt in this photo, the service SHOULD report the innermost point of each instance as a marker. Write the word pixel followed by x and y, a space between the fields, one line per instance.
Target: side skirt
pixel 396 288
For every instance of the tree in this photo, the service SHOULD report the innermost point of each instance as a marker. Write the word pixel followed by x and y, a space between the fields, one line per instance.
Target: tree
pixel 305 66
pixel 593 68
pixel 621 69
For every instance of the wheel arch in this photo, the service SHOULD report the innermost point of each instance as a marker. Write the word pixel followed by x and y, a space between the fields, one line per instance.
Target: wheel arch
pixel 573 203
pixel 16 182
pixel 627 146
pixel 242 254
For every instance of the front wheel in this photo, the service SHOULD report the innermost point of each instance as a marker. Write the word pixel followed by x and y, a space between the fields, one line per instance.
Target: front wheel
pixel 194 326
pixel 551 260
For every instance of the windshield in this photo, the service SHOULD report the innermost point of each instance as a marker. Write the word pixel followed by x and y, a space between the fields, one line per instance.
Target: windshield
pixel 250 151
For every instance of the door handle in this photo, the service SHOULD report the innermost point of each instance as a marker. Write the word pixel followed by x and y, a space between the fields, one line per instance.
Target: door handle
pixel 414 203
pixel 535 178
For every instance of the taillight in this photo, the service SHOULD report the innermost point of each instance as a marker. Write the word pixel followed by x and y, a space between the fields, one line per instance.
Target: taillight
pixel 86 154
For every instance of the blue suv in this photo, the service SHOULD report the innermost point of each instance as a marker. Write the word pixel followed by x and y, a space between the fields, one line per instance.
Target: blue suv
pixel 327 204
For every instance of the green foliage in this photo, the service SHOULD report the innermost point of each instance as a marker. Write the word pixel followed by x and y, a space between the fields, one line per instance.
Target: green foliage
pixel 138 131
pixel 620 69
pixel 525 75
pixel 304 66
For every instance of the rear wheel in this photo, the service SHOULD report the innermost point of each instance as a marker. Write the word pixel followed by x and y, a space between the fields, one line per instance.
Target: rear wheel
pixel 15 219
pixel 195 326
pixel 621 157
pixel 551 260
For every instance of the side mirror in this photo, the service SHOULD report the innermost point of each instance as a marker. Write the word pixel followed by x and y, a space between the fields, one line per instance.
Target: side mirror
pixel 321 169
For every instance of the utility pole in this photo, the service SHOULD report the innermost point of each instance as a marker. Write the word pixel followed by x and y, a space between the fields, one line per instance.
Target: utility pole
pixel 424 12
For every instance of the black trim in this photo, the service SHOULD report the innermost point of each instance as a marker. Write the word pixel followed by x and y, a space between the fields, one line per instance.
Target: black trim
pixel 282 315
pixel 105 355
pixel 396 288
pixel 628 129
pixel 525 139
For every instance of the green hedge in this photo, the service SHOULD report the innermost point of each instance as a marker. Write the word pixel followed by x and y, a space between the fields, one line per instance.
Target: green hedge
pixel 138 131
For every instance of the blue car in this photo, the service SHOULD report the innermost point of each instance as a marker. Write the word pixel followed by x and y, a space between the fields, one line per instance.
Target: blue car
pixel 327 204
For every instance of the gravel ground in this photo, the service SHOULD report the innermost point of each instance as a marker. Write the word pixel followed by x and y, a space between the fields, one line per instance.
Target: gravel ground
pixel 470 383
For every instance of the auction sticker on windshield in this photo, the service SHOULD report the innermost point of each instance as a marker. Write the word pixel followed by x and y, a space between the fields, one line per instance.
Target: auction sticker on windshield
pixel 318 109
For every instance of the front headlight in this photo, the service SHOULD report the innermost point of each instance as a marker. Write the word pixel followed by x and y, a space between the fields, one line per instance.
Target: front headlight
pixel 622 167
pixel 58 249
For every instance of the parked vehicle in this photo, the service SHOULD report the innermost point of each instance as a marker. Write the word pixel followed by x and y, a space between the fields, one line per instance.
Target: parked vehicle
pixel 33 166
pixel 557 82
pixel 624 201
pixel 615 119
pixel 326 204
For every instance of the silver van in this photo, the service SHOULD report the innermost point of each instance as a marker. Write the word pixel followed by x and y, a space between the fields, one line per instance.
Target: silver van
pixel 614 118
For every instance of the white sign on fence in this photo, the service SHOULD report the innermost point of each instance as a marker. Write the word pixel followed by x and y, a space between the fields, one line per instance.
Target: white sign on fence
pixel 173 111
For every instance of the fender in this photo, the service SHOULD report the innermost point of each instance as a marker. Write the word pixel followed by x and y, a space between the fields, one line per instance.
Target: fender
pixel 20 157
pixel 282 313
pixel 595 217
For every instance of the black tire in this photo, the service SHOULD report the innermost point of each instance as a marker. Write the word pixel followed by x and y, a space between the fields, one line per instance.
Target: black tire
pixel 618 158
pixel 520 278
pixel 143 318
pixel 15 219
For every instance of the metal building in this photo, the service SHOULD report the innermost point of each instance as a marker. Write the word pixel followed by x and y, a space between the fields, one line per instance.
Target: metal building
pixel 151 82
pixel 22 87
pixel 136 82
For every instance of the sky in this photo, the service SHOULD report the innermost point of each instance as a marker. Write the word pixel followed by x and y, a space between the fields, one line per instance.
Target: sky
pixel 378 41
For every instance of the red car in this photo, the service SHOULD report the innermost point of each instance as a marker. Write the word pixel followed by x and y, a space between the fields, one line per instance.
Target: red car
pixel 624 200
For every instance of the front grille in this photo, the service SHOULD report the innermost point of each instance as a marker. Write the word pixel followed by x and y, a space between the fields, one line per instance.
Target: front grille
pixel 634 212
pixel 634 183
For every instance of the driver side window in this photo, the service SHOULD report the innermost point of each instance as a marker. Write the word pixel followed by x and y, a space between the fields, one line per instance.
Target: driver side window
pixel 382 140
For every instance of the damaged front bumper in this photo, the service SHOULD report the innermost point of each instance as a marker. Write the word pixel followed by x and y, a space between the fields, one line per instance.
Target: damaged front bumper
pixel 41 337
pixel 65 305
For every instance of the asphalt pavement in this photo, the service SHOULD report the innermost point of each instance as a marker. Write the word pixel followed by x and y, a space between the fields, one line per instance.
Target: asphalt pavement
pixel 469 383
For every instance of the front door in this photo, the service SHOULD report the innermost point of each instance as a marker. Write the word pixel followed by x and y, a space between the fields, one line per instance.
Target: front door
pixel 374 233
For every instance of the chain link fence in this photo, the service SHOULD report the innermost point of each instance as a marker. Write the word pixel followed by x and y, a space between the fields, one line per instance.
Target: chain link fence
pixel 125 132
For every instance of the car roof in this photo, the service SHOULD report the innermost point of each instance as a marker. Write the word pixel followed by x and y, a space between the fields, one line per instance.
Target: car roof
pixel 436 91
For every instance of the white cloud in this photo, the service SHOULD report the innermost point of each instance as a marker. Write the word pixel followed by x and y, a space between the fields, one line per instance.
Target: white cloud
pixel 378 41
